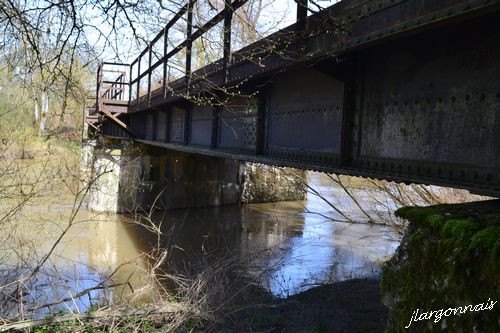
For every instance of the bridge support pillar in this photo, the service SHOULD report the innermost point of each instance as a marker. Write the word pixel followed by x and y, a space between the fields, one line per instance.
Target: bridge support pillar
pixel 111 175
pixel 136 177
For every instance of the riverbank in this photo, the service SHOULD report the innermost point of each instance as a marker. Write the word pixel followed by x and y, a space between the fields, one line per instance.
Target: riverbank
pixel 344 307
pixel 448 263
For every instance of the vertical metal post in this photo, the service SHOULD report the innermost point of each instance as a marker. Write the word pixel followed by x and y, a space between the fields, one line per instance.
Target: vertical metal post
pixel 189 45
pixel 187 123
pixel 352 114
pixel 165 61
pixel 150 57
pixel 228 16
pixel 123 96
pixel 138 81
pixel 130 85
pixel 301 10
pixel 98 86
pixel 120 88
pixel 215 126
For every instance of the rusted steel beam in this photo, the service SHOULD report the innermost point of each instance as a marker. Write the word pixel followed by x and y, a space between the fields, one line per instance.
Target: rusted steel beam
pixel 130 85
pixel 345 26
pixel 189 42
pixel 115 64
pixel 301 10
pixel 165 62
pixel 228 16
pixel 167 27
pixel 98 85
pixel 404 17
pixel 138 81
pixel 207 26
pixel 120 123
pixel 143 75
pixel 353 25
pixel 119 83
pixel 150 58
pixel 114 102
pixel 92 125
pixel 110 70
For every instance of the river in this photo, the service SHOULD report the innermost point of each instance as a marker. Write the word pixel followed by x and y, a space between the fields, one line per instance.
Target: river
pixel 293 246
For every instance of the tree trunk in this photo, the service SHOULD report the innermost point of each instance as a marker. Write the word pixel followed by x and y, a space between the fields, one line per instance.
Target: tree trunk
pixel 36 110
pixel 45 112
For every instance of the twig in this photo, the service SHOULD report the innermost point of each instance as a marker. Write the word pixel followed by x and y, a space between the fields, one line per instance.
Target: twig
pixel 170 309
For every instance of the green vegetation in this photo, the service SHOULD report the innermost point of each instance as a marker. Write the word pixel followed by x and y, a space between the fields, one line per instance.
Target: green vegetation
pixel 449 258
pixel 20 135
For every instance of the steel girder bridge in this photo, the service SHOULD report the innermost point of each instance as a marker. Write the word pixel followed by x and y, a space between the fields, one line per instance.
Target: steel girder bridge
pixel 403 90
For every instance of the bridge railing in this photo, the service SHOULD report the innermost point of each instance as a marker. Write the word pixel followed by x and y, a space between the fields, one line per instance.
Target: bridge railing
pixel 135 83
pixel 145 74
pixel 113 86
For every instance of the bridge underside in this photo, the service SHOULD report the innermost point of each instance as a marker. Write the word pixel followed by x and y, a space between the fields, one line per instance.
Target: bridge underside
pixel 424 108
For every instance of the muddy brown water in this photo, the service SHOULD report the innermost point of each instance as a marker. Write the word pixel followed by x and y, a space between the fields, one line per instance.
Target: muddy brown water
pixel 302 249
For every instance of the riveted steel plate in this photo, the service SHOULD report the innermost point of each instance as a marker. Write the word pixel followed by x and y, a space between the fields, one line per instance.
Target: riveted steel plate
pixel 305 115
pixel 237 127
pixel 201 125
pixel 161 125
pixel 435 98
pixel 177 125
pixel 150 126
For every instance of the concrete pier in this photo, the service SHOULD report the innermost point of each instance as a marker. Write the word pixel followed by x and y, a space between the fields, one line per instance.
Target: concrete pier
pixel 127 177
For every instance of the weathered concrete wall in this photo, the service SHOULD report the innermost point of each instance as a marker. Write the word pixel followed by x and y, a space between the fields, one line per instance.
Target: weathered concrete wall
pixel 87 156
pixel 104 182
pixel 185 180
pixel 264 183
pixel 127 178
pixel 182 180
pixel 114 179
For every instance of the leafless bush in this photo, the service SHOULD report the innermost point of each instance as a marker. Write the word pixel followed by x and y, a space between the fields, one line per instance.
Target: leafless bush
pixel 35 208
pixel 205 296
pixel 41 199
pixel 375 201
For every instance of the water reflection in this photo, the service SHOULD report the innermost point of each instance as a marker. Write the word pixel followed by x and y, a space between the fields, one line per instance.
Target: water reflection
pixel 301 249
pixel 95 252
pixel 290 249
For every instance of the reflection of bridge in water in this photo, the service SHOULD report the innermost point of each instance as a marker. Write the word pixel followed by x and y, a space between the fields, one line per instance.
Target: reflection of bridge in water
pixel 402 90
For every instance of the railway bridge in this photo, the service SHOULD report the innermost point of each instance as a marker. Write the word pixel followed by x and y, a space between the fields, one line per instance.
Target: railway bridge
pixel 402 90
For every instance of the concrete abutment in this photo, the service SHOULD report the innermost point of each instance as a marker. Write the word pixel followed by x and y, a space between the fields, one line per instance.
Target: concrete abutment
pixel 127 177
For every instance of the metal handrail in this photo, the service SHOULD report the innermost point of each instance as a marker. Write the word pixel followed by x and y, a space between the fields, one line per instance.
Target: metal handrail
pixel 114 87
pixel 186 44
pixel 225 15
